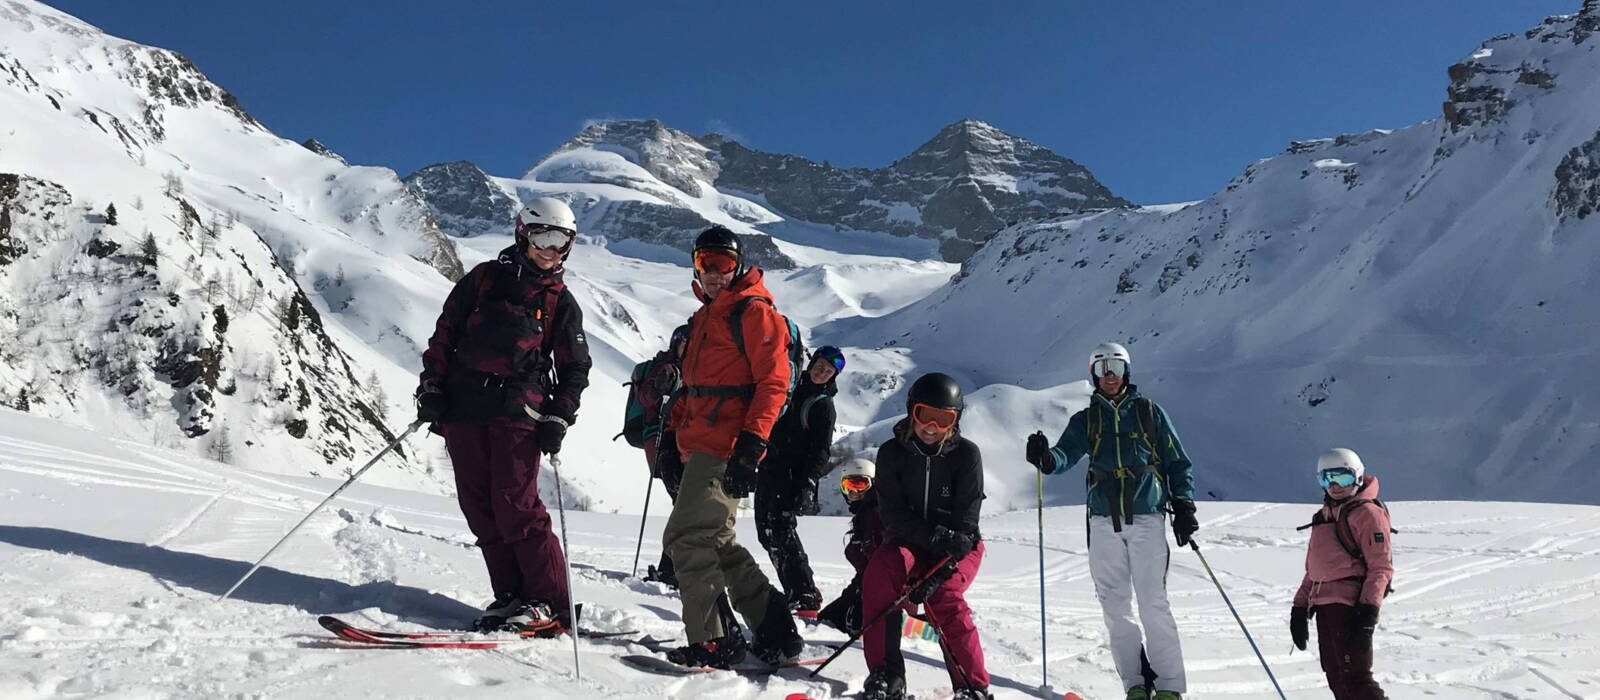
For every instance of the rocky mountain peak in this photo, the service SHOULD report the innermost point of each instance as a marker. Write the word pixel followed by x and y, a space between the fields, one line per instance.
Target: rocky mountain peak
pixel 675 157
pixel 462 198
pixel 318 148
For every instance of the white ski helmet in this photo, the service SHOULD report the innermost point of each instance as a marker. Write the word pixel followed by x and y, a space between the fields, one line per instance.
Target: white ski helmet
pixel 547 212
pixel 859 467
pixel 1341 458
pixel 543 218
pixel 1109 351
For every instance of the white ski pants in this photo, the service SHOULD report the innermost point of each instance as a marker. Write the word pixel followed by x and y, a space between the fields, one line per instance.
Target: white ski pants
pixel 1129 564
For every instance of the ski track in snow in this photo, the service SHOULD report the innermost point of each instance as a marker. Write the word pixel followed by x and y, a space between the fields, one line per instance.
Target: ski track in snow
pixel 1493 600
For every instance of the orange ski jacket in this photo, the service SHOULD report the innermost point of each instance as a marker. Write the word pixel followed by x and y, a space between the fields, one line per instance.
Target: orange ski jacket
pixel 725 391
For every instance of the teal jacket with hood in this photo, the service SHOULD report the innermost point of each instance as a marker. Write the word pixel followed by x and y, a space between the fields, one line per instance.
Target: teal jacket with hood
pixel 1123 480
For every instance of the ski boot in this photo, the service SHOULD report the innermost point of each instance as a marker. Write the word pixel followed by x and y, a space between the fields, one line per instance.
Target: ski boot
pixel 1167 695
pixel 883 684
pixel 777 640
pixel 536 620
pixel 494 616
pixel 722 653
pixel 805 603
pixel 663 572
pixel 972 693
pixel 1138 692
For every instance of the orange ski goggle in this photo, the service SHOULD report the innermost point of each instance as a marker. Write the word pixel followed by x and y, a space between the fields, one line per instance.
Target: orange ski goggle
pixel 855 483
pixel 715 261
pixel 941 418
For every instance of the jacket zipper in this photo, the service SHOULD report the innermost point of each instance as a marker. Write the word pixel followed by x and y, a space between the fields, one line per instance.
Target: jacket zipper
pixel 1116 443
pixel 927 477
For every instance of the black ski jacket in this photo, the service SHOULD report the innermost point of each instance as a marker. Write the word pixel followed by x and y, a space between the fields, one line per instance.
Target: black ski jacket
pixel 509 335
pixel 802 439
pixel 917 490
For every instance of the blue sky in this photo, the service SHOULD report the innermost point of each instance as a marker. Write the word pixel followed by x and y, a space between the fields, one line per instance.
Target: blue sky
pixel 1163 101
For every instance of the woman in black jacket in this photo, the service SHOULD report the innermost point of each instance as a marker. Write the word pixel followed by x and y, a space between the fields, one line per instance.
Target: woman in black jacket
pixel 798 455
pixel 930 490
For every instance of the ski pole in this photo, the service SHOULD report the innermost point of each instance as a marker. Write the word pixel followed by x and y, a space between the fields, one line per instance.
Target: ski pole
pixel 1196 546
pixel 904 594
pixel 566 544
pixel 409 430
pixel 649 485
pixel 1044 635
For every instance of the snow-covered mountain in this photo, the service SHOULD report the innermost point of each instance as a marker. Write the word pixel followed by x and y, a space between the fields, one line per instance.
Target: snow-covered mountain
pixel 664 185
pixel 1423 295
pixel 261 301
pixel 174 271
pixel 1417 294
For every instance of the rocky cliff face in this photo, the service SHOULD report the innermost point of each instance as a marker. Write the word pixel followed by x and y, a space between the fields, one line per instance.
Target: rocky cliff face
pixel 463 199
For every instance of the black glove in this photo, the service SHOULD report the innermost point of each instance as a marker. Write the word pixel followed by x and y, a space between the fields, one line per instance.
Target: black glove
pixel 951 543
pixel 806 494
pixel 1299 631
pixel 1362 624
pixel 1039 453
pixel 924 590
pixel 748 448
pixel 431 401
pixel 549 434
pixel 1184 523
pixel 740 477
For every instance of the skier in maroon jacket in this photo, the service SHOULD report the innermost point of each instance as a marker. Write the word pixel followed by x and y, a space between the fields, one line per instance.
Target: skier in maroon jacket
pixel 930 490
pixel 511 335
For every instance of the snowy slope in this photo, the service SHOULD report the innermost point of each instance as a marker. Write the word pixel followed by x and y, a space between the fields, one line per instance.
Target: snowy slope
pixel 112 555
pixel 1423 295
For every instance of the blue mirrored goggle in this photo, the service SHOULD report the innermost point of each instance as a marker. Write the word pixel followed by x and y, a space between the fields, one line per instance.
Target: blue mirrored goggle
pixel 833 356
pixel 1343 478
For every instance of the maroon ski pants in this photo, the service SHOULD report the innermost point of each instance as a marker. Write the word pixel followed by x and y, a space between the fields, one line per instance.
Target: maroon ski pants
pixel 497 485
pixel 891 566
pixel 1349 669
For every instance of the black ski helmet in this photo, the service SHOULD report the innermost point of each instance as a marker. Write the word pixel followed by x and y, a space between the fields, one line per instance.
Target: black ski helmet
pixel 936 389
pixel 719 238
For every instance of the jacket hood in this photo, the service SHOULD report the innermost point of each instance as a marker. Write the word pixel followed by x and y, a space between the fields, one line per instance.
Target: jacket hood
pixel 1129 391
pixel 513 256
pixel 808 387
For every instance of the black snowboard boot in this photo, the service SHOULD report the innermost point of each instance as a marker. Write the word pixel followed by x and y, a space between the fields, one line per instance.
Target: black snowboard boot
pixel 884 684
pixel 777 640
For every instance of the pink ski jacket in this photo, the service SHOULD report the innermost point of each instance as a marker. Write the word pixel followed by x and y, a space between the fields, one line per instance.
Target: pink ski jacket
pixel 1332 575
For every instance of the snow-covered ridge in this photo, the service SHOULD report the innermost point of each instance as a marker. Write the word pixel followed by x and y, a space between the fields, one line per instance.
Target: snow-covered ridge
pixel 1422 295
pixel 965 183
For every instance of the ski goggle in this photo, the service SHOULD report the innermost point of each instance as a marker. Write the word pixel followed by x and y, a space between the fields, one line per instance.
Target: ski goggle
pixel 831 355
pixel 715 261
pixel 549 237
pixel 1109 365
pixel 855 483
pixel 941 418
pixel 1343 478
